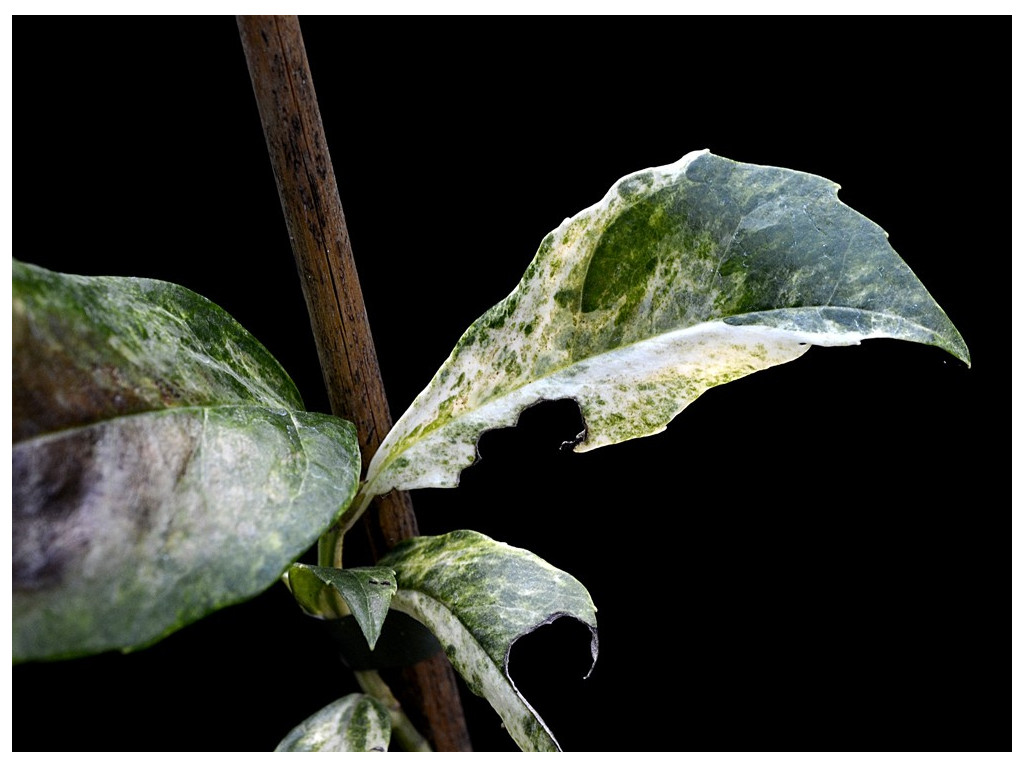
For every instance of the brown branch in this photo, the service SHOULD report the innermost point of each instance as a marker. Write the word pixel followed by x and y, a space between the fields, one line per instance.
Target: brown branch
pixel 309 196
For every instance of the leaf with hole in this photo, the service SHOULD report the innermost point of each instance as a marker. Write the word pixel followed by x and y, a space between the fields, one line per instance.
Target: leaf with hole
pixel 683 277
pixel 478 596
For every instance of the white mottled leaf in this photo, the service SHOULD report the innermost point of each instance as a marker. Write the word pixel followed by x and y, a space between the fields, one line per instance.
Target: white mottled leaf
pixel 478 596
pixel 366 591
pixel 163 466
pixel 683 277
pixel 354 723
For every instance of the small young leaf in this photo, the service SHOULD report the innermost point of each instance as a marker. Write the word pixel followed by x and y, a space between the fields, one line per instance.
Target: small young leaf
pixel 366 591
pixel 682 278
pixel 478 596
pixel 354 723
pixel 163 466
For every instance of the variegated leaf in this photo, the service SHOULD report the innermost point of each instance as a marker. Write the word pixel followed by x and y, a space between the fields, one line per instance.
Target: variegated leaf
pixel 366 591
pixel 93 348
pixel 683 277
pixel 478 596
pixel 163 466
pixel 354 723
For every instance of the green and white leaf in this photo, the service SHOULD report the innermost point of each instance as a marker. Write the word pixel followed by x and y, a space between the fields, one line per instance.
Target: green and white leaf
pixel 478 596
pixel 163 466
pixel 355 723
pixel 683 277
pixel 366 591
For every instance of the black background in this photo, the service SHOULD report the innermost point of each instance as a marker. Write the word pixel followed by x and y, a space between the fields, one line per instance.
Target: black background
pixel 812 558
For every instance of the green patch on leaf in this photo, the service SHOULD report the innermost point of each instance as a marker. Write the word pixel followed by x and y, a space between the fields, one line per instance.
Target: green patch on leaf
pixel 355 723
pixel 682 278
pixel 478 596
pixel 162 466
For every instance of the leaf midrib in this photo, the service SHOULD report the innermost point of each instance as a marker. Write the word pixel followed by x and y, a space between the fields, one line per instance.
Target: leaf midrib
pixel 57 433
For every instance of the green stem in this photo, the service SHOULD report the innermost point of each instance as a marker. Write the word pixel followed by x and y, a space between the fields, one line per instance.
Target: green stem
pixel 402 728
pixel 329 546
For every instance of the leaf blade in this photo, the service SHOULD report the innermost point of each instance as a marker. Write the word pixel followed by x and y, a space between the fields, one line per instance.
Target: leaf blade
pixel 353 723
pixel 478 596
pixel 129 529
pixel 683 277
pixel 91 348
